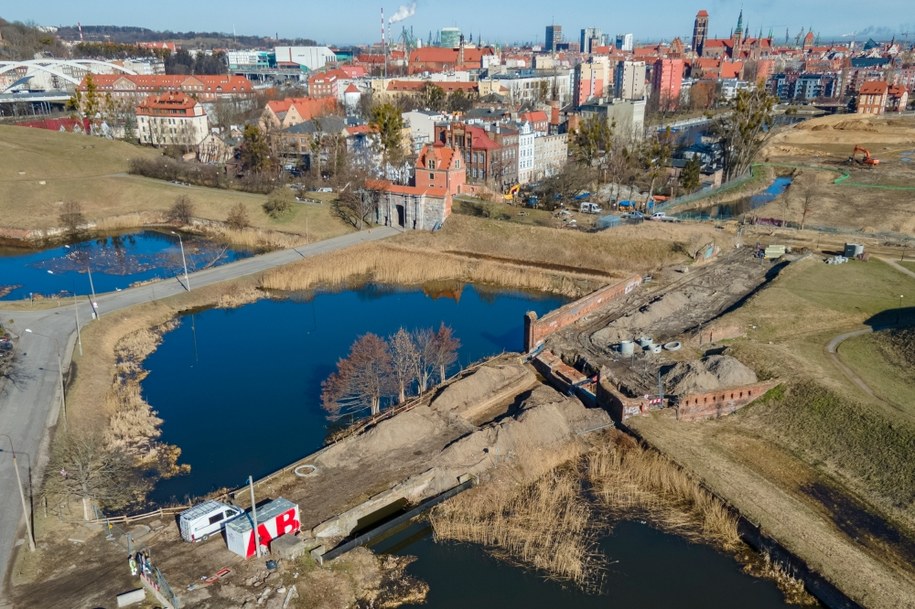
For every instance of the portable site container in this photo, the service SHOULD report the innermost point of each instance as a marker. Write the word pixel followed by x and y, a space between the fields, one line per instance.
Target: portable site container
pixel 274 520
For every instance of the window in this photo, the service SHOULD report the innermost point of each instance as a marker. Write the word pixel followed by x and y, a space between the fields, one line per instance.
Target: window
pixel 216 518
pixel 431 175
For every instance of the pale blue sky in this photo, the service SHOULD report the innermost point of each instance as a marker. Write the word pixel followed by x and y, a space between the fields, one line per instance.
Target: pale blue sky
pixel 358 21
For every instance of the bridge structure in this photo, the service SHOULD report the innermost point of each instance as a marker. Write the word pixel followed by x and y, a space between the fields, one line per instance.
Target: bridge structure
pixel 66 72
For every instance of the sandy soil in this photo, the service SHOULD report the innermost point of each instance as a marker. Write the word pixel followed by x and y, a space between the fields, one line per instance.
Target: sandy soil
pixel 878 199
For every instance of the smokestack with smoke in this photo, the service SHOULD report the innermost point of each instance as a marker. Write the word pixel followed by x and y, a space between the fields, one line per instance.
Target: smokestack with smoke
pixel 403 12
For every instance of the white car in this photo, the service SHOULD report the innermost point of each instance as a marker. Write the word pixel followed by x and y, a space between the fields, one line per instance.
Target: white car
pixel 205 519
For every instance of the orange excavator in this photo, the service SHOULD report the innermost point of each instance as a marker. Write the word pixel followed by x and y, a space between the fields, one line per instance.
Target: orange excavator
pixel 866 158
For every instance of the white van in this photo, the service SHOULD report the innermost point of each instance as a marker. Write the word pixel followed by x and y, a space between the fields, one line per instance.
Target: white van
pixel 201 521
pixel 590 208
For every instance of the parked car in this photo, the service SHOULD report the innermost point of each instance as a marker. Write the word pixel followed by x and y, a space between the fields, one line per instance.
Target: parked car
pixel 325 189
pixel 590 208
pixel 199 522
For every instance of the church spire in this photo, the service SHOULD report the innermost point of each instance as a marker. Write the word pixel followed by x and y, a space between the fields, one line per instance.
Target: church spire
pixel 739 30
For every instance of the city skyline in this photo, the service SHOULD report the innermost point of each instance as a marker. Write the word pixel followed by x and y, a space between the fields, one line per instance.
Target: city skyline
pixel 659 20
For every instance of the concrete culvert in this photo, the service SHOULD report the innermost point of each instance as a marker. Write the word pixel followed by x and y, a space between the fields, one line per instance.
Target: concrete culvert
pixel 673 345
pixel 306 471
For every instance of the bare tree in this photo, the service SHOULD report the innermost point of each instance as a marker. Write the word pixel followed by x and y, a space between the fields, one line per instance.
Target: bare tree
pixel 181 211
pixel 71 216
pixel 445 350
pixel 806 202
pixel 424 363
pixel 83 466
pixel 403 361
pixel 361 380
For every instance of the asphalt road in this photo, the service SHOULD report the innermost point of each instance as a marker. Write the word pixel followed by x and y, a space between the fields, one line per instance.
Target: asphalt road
pixel 30 397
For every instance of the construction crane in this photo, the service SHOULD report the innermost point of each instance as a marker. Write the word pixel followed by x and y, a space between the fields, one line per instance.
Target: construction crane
pixel 866 158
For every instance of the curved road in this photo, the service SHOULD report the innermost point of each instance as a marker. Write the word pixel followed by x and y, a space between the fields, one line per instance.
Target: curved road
pixel 30 397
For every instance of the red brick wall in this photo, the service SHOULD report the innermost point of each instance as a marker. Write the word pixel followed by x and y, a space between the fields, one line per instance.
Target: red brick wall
pixel 536 330
pixel 714 404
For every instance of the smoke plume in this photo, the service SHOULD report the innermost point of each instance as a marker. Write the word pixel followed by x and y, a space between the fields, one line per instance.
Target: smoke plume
pixel 403 12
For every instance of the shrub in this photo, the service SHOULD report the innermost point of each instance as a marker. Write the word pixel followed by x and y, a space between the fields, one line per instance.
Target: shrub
pixel 238 217
pixel 181 211
pixel 279 203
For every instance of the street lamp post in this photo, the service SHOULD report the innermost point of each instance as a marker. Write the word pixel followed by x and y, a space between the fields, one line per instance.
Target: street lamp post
pixel 95 312
pixel 26 513
pixel 60 373
pixel 187 281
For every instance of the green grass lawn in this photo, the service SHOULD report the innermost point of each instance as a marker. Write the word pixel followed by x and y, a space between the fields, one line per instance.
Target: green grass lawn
pixel 881 367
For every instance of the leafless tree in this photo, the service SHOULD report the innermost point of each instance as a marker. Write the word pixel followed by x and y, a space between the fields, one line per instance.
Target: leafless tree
pixel 361 380
pixel 807 196
pixel 83 466
pixel 403 361
pixel 181 211
pixel 71 216
pixel 445 350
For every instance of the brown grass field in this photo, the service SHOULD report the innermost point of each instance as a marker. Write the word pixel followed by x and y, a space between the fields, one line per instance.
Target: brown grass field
pixel 878 199
pixel 40 169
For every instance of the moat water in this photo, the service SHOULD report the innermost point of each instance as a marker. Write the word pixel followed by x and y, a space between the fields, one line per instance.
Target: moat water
pixel 239 389
pixel 115 262
pixel 640 567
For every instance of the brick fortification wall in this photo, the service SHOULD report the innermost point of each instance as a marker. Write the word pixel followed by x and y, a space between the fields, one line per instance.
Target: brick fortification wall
pixel 714 404
pixel 536 330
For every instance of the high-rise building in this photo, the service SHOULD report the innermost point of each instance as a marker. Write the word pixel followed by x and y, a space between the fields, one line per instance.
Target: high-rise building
pixel 700 31
pixel 666 80
pixel 591 37
pixel 553 38
pixel 450 38
pixel 629 80
pixel 624 42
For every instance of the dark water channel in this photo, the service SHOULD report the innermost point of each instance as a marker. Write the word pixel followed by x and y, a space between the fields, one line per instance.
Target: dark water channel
pixel 239 389
pixel 115 261
pixel 644 567
pixel 741 206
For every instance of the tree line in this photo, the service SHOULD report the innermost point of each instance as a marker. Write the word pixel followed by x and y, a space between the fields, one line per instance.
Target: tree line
pixel 379 371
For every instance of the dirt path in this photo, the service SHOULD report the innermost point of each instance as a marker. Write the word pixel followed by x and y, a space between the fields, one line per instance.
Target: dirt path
pixel 832 350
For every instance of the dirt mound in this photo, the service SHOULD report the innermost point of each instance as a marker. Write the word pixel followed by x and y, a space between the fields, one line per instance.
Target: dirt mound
pixel 707 374
pixel 853 126
pixel 471 396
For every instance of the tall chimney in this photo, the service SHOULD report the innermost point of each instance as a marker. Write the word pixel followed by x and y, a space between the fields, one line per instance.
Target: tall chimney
pixel 554 113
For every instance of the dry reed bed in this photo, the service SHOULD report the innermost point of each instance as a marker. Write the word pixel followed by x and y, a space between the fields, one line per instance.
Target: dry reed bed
pixel 544 522
pixel 391 264
pixel 628 479
pixel 547 515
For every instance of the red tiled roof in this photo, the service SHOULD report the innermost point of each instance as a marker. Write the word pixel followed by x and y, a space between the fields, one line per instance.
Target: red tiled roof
pixel 310 107
pixel 55 124
pixel 172 103
pixel 874 87
pixel 442 55
pixel 537 116
pixel 360 129
pixel 702 13
pixel 443 155
pixel 399 189
pixel 897 90
pixel 352 89
pixel 480 140
pixel 731 69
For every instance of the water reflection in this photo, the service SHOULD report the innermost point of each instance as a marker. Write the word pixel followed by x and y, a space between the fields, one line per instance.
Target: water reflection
pixel 643 567
pixel 116 262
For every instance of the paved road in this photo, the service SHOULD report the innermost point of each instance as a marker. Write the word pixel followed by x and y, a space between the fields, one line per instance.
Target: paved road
pixel 30 398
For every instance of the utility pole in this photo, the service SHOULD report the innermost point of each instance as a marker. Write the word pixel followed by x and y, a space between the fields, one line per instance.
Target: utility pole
pixel 79 336
pixel 257 542
pixel 26 513
pixel 92 289
pixel 187 281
